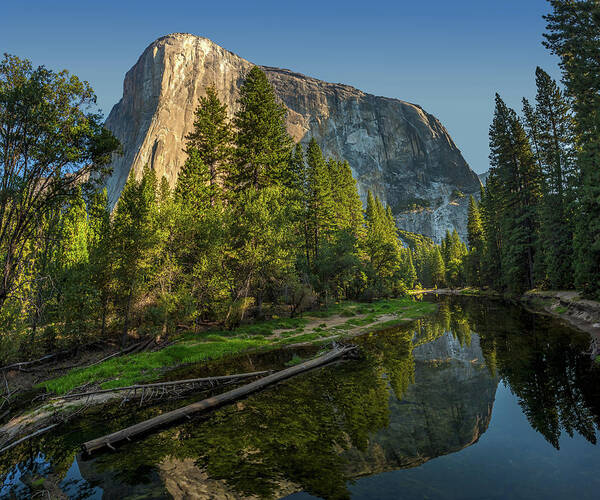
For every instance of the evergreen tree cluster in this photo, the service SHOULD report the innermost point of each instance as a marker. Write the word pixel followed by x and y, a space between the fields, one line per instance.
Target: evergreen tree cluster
pixel 437 266
pixel 255 226
pixel 538 222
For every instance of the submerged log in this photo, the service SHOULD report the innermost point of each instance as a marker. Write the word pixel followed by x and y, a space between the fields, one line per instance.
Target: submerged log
pixel 29 436
pixel 190 381
pixel 110 440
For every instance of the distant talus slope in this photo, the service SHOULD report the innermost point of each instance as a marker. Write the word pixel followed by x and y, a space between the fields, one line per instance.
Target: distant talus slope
pixel 395 148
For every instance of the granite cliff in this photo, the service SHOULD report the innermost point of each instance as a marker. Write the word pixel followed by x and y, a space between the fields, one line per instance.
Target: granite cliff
pixel 395 148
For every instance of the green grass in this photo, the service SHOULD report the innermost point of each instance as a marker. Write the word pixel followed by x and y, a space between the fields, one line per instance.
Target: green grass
pixel 215 344
pixel 560 310
pixel 296 360
pixel 145 367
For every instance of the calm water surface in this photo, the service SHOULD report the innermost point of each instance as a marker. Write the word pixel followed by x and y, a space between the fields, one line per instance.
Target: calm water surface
pixel 483 400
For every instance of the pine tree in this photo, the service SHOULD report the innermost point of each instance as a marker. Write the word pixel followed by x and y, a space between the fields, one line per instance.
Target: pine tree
pixel 297 174
pixel 320 203
pixel 532 127
pixel 574 36
pixel 515 168
pixel 210 142
pixel 133 237
pixel 476 239
pixel 382 247
pixel 437 267
pixel 99 243
pixel 490 206
pixel 408 273
pixel 193 187
pixel 453 251
pixel 263 146
pixel 555 153
pixel 165 266
pixel 346 200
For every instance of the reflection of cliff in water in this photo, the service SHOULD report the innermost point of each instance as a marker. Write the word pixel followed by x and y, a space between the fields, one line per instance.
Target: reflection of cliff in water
pixel 447 409
pixel 316 432
pixel 418 393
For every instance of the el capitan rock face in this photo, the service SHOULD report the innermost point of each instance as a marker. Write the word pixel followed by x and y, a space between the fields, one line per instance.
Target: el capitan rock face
pixel 395 148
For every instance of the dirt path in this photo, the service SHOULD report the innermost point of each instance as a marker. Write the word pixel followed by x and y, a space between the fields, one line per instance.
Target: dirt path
pixel 331 328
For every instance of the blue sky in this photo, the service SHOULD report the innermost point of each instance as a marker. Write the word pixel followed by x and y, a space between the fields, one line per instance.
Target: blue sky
pixel 448 56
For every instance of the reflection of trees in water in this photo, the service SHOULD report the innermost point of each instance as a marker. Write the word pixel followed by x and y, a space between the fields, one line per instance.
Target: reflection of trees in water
pixel 544 363
pixel 297 431
pixel 294 432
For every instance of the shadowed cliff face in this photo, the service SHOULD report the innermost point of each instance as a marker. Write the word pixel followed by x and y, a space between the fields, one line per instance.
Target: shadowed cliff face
pixel 395 148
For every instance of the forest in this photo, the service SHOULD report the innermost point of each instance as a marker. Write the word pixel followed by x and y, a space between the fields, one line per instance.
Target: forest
pixel 255 225
pixel 258 227
pixel 537 221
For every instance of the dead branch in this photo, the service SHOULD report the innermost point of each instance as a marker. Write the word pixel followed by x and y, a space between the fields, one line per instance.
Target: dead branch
pixel 111 440
pixel 144 387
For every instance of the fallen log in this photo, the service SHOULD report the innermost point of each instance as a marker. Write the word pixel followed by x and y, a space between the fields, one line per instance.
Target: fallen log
pixel 110 440
pixel 191 381
pixel 29 436
pixel 19 366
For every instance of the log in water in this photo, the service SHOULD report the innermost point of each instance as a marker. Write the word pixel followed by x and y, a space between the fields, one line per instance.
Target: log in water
pixel 110 440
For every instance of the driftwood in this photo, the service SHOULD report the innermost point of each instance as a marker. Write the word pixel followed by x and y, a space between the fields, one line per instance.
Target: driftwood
pixel 191 381
pixel 48 357
pixel 61 420
pixel 21 366
pixel 29 436
pixel 110 440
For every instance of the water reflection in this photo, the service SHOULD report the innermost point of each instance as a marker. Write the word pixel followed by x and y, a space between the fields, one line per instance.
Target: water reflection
pixel 420 392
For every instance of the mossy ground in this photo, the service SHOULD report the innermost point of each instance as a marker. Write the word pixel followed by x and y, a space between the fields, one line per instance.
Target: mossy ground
pixel 189 347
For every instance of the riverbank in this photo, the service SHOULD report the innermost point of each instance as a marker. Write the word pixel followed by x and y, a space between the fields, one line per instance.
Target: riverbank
pixel 566 305
pixel 581 313
pixel 340 321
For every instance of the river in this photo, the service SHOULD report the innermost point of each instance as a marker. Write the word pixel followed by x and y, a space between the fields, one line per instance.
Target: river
pixel 481 400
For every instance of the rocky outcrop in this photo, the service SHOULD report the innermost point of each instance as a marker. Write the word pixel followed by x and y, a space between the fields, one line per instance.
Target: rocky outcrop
pixel 395 148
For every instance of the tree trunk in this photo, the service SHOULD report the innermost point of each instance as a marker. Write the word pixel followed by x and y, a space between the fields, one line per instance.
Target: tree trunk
pixel 212 402
pixel 103 320
pixel 126 319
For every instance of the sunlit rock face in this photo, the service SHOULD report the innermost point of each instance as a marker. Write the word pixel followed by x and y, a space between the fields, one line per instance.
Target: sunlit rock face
pixel 447 409
pixel 395 148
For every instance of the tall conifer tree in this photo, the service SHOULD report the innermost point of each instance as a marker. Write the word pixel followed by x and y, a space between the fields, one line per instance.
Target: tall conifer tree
pixel 320 203
pixel 263 146
pixel 476 239
pixel 573 34
pixel 133 236
pixel 210 142
pixel 514 166
pixel 556 159
pixel 99 242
